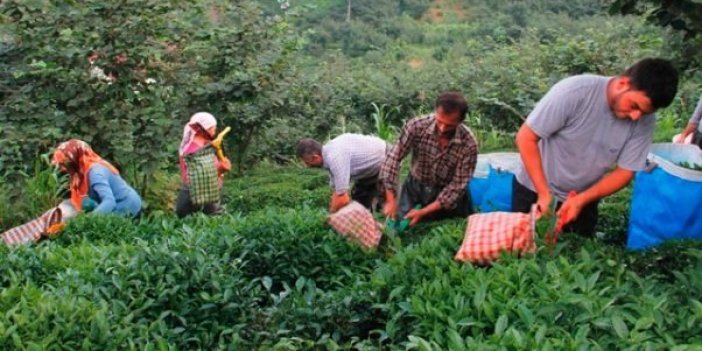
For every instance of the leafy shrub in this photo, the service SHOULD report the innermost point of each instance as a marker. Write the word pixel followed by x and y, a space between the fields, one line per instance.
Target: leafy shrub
pixel 279 278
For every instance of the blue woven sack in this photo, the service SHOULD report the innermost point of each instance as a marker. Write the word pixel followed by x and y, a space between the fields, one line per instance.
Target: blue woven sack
pixel 491 185
pixel 666 202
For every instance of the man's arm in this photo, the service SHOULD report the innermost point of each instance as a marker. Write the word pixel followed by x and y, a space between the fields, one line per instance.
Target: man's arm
pixel 390 171
pixel 693 123
pixel 528 144
pixel 338 201
pixel 340 174
pixel 608 185
pixel 339 171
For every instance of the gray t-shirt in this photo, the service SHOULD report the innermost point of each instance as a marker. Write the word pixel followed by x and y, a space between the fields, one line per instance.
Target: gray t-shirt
pixel 581 138
pixel 351 157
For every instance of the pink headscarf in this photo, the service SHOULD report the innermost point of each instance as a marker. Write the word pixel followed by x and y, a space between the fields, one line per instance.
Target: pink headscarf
pixel 204 119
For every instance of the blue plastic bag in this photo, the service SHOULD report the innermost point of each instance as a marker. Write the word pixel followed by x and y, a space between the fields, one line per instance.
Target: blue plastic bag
pixel 667 200
pixel 491 185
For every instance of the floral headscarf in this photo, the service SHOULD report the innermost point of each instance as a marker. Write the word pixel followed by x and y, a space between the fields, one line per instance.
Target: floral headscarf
pixel 78 157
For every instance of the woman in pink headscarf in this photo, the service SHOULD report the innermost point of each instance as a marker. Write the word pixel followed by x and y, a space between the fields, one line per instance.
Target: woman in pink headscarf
pixel 198 134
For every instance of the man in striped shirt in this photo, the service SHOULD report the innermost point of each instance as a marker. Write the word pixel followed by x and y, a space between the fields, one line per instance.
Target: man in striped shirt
pixel 444 154
pixel 347 157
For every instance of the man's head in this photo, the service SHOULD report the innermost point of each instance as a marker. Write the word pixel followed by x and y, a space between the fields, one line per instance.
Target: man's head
pixel 643 88
pixel 450 111
pixel 310 151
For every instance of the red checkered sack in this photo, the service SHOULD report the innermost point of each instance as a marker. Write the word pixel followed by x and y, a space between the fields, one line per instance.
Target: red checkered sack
pixel 488 234
pixel 35 229
pixel 356 223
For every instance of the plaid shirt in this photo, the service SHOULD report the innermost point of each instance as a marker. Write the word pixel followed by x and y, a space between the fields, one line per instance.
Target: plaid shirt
pixel 449 169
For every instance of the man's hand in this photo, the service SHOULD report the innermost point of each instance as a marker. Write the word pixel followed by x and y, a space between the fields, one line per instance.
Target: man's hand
pixel 338 201
pixel 544 204
pixel 570 210
pixel 415 216
pixel 689 129
pixel 390 206
pixel 528 144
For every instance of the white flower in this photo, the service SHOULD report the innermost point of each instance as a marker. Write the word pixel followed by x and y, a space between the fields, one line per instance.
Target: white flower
pixel 150 81
pixel 97 72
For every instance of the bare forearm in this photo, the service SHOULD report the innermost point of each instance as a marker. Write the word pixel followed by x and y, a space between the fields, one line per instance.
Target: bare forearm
pixel 430 208
pixel 691 127
pixel 608 185
pixel 528 145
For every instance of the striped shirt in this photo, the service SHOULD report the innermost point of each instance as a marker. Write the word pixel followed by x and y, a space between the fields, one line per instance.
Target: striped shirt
pixel 449 168
pixel 350 157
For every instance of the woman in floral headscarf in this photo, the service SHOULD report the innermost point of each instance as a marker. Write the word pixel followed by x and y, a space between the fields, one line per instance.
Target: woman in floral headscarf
pixel 94 185
pixel 198 134
pixel 94 181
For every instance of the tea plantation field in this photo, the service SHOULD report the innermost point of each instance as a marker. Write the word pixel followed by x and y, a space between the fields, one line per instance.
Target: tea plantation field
pixel 271 276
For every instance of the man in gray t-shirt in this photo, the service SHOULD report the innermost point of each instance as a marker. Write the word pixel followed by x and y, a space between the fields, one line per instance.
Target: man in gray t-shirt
pixel 348 157
pixel 588 135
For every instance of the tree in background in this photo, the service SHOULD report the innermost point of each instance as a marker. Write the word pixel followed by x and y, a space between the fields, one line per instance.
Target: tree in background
pixel 125 75
pixel 680 15
pixel 244 62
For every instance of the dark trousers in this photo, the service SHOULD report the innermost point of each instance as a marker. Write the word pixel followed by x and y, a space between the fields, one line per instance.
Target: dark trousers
pixel 523 198
pixel 185 207
pixel 366 191
pixel 414 193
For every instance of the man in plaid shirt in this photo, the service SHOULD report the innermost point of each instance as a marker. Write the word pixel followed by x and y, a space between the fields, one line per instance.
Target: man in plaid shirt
pixel 444 154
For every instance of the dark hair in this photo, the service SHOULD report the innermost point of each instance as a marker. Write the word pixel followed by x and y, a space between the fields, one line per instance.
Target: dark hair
pixel 452 101
pixel 657 78
pixel 307 146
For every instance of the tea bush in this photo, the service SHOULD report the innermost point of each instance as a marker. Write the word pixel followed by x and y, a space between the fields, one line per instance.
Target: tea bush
pixel 276 277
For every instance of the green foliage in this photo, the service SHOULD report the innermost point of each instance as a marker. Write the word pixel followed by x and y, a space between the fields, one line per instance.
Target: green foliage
pixel 125 76
pixel 681 15
pixel 668 124
pixel 383 129
pixel 692 166
pixel 271 274
pixel 32 194
pixel 244 62
pixel 272 186
pixel 111 102
pixel 279 278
